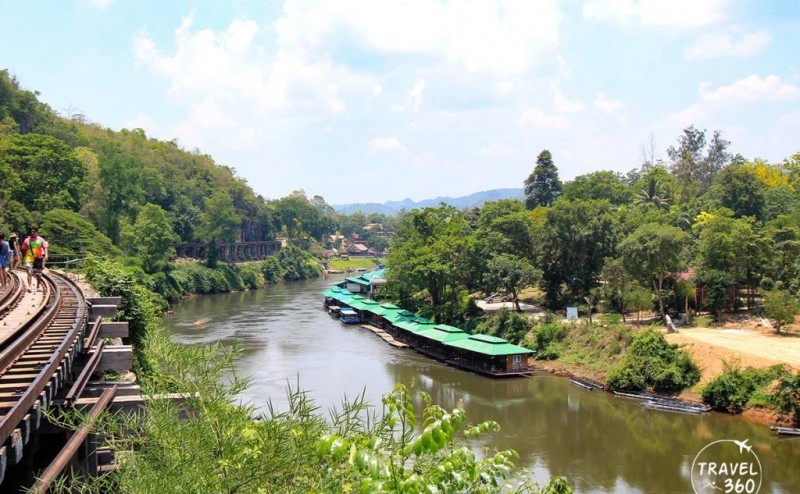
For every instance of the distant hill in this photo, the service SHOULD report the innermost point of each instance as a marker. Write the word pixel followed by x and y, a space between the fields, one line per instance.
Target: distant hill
pixel 393 207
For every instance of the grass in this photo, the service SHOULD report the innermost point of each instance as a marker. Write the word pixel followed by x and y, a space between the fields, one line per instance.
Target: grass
pixel 355 263
pixel 702 321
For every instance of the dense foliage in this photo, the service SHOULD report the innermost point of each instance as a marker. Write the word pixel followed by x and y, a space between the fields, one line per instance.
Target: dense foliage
pixel 651 363
pixel 732 390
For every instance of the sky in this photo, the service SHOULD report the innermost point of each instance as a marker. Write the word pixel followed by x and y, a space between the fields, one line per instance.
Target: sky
pixel 377 100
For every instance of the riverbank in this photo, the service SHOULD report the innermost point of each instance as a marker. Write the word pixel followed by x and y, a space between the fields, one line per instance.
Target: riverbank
pixel 744 343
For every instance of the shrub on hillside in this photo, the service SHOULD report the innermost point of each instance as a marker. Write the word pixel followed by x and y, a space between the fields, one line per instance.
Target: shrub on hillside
pixel 652 363
pixel 510 325
pixel 297 264
pixel 68 233
pixel 272 270
pixel 546 339
pixel 733 389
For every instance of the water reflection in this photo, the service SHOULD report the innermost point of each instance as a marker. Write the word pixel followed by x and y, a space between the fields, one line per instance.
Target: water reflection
pixel 601 443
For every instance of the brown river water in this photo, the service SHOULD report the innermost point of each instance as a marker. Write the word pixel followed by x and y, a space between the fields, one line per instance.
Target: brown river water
pixel 601 443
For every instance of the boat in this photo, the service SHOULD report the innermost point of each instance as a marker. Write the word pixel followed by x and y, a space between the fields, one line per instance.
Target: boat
pixel 334 310
pixel 785 431
pixel 676 406
pixel 361 270
pixel 349 316
pixel 586 383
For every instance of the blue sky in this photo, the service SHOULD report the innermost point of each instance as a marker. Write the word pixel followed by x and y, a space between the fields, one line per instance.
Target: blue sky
pixel 371 100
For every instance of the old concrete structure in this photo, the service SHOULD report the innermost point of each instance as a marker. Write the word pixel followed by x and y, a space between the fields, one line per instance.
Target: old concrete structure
pixel 235 252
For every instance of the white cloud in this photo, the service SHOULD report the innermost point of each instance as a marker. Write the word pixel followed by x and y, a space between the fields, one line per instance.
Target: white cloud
pixel 606 105
pixel 725 45
pixel 563 104
pixel 747 91
pixel 791 119
pixel 505 36
pixel 659 13
pixel 102 4
pixel 415 95
pixel 537 118
pixel 503 88
pixel 386 145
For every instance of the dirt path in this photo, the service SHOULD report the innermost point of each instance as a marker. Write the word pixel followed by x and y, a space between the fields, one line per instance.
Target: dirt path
pixel 747 347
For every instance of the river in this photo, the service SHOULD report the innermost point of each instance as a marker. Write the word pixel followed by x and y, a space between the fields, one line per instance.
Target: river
pixel 601 443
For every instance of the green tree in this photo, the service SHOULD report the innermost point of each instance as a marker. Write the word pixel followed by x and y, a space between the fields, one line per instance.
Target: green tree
pixel 780 306
pixel 650 362
pixel 638 298
pixel 694 165
pixel 653 251
pixel 578 237
pixel 510 274
pixel 220 224
pixel 427 256
pixel 542 187
pixel 68 233
pixel 733 246
pixel 44 173
pixel 150 239
pixel 616 283
pixel 739 190
pixel 380 244
pixel 121 190
pixel 599 185
pixel 717 291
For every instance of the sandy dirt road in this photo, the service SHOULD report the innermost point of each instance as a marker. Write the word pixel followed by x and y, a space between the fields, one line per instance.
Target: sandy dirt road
pixel 745 347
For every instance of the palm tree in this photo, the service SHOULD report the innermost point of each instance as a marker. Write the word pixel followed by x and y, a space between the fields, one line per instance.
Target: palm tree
pixel 652 195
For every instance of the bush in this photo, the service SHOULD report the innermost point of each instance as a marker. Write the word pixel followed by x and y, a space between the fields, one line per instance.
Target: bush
pixel 140 307
pixel 652 363
pixel 787 395
pixel 272 270
pixel 546 339
pixel 510 325
pixel 733 389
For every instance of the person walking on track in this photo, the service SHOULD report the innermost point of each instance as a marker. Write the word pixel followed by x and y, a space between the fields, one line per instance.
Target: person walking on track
pixel 33 255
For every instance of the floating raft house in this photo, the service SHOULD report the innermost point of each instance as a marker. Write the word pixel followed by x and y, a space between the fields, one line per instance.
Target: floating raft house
pixel 483 354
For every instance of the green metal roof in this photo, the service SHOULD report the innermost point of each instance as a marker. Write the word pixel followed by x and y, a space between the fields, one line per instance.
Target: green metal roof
pixel 413 327
pixel 356 303
pixel 360 281
pixel 448 328
pixel 444 333
pixel 396 316
pixel 488 345
pixel 328 293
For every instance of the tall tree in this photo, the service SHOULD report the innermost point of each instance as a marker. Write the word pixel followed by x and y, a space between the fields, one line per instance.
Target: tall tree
pixel 738 189
pixel 653 251
pixel 579 236
pixel 694 165
pixel 542 187
pixel 599 185
pixel 427 255
pixel 42 172
pixel 150 238
pixel 510 274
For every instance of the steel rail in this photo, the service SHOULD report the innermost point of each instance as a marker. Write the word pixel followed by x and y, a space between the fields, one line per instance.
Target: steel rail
pixel 18 342
pixel 13 295
pixel 56 307
pixel 83 378
pixel 93 333
pixel 65 455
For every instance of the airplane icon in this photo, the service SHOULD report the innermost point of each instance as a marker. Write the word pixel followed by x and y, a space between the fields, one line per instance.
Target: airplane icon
pixel 743 446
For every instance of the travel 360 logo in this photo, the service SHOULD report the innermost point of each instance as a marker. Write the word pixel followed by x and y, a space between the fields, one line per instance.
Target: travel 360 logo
pixel 726 466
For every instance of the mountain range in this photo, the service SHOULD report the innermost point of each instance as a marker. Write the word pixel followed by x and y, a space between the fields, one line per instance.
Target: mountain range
pixel 465 202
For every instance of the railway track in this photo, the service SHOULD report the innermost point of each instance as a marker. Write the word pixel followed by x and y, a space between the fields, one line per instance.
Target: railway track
pixel 12 296
pixel 36 360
